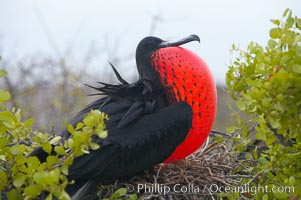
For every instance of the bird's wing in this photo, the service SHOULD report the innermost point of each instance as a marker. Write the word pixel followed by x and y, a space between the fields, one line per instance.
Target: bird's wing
pixel 150 140
pixel 136 147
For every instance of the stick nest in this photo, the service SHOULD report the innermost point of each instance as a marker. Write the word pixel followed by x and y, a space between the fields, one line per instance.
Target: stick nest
pixel 197 177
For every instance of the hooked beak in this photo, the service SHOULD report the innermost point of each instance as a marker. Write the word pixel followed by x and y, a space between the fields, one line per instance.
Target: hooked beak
pixel 185 40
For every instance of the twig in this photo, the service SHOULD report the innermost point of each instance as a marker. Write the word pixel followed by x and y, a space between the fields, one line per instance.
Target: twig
pixel 221 133
pixel 258 174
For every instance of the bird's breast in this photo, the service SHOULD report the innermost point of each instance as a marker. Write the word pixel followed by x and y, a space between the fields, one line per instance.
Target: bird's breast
pixel 186 77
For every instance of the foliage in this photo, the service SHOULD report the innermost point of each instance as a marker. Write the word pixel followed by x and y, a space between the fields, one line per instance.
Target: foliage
pixel 60 93
pixel 25 177
pixel 121 194
pixel 266 83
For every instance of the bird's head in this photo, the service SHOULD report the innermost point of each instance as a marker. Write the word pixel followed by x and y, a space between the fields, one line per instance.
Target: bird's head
pixel 148 46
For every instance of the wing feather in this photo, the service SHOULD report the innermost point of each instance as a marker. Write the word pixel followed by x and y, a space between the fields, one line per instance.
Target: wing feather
pixel 148 141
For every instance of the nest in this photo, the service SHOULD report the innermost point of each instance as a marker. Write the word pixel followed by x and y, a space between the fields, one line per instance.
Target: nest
pixel 199 176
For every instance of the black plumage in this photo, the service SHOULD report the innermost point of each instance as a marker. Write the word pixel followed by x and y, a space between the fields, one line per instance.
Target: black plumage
pixel 143 128
pixel 142 131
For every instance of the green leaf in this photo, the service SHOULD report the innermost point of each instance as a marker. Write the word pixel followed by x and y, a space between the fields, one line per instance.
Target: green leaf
pixel 218 138
pixel 231 129
pixel 60 150
pixel 265 197
pixel 272 43
pixel 298 23
pixel 292 181
pixel 39 178
pixel 32 191
pixel 275 33
pixel 3 73
pixel 261 136
pixel 285 12
pixel 52 178
pixel 6 116
pixel 19 180
pixel 241 105
pixel 297 68
pixel 281 195
pixel 49 197
pixel 47 147
pixel 245 132
pixel 4 96
pixel 3 142
pixel 275 21
pixel 84 150
pixel 270 139
pixel 79 126
pixel 33 163
pixel 119 193
pixel 64 196
pixel 52 160
pixel 65 168
pixel 298 50
pixel 3 157
pixel 263 160
pixel 55 140
pixel 70 160
pixel 290 22
pixel 280 97
pixel 14 194
pixel 15 149
pixel 3 180
pixel 70 128
pixel 18 115
pixel 133 197
pixel 266 102
pixel 274 123
pixel 102 134
pixel 94 146
pixel 28 123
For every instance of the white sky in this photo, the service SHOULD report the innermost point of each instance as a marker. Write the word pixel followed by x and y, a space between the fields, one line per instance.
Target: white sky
pixel 78 23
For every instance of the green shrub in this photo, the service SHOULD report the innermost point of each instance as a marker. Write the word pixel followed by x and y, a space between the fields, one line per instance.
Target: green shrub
pixel 265 81
pixel 24 177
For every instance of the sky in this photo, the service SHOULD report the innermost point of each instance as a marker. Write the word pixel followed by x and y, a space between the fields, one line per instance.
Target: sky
pixel 114 28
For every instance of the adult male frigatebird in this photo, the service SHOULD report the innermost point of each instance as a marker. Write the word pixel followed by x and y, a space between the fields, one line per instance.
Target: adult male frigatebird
pixel 164 116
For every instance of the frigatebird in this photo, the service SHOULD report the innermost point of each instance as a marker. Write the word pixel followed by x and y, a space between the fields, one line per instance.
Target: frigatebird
pixel 164 116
